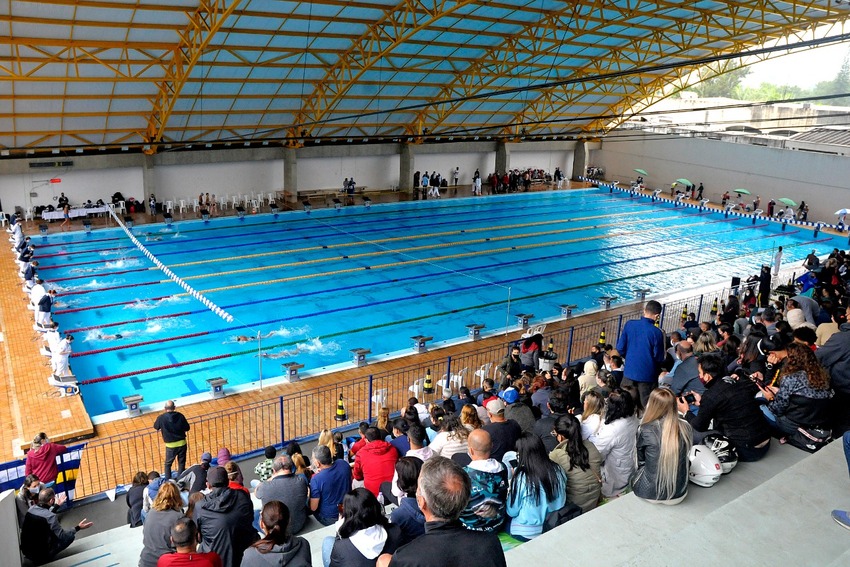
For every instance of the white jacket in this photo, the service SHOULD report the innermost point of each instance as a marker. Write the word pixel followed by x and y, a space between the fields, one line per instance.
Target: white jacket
pixel 616 442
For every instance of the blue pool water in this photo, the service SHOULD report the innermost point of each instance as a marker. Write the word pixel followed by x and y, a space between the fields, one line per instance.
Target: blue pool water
pixel 317 285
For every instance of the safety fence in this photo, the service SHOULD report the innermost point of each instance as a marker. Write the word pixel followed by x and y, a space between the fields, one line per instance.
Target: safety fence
pixel 104 464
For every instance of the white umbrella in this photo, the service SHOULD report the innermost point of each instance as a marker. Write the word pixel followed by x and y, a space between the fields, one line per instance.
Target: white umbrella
pixel 842 212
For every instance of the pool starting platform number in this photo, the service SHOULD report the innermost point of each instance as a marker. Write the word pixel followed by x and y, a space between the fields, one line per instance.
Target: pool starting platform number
pixel 133 404
pixel 217 387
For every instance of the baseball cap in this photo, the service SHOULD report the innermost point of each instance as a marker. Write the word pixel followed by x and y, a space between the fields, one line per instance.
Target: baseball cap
pixel 495 406
pixel 510 395
pixel 217 477
pixel 206 457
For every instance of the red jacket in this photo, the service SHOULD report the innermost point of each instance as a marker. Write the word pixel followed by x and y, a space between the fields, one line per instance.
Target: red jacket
pixel 374 464
pixel 42 461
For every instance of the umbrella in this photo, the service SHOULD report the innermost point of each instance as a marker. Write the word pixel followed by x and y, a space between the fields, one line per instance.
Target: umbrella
pixel 741 191
pixel 787 201
pixel 842 212
pixel 684 181
pixel 642 171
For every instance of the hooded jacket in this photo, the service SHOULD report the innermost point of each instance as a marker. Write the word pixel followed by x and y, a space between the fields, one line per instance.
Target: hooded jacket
pixel 835 356
pixel 295 553
pixel 225 519
pixel 374 464
pixel 364 546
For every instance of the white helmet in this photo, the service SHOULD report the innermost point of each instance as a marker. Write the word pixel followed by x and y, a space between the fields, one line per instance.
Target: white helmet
pixel 705 466
pixel 723 448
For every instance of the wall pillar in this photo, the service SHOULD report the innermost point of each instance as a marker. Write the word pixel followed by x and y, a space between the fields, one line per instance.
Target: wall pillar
pixel 406 165
pixel 290 175
pixel 503 157
pixel 148 179
pixel 579 160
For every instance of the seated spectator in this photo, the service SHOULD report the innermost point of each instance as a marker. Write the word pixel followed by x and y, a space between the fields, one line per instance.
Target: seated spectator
pixel 364 533
pixel 663 444
pixel 541 388
pixel 834 355
pixel 587 380
pixel 382 423
pixel 407 515
pixel 27 496
pixel 434 423
pixel 729 407
pixel 685 376
pixel 278 547
pixel 156 532
pixel 375 462
pixel 826 330
pixel 592 415
pixel 42 537
pixel 284 486
pixel 705 343
pixel 616 443
pixel 488 390
pixel 329 484
pixel 360 443
pixel 399 440
pixel 605 383
pixel 184 537
pixel 265 468
pixel 225 519
pixel 194 479
pixel 556 407
pixel 469 417
pixel 539 487
pixel 503 432
pixel 234 473
pixel 302 471
pixel 416 437
pixel 489 486
pixel 41 459
pixel 328 438
pixel 802 398
pixel 581 462
pixel 293 448
pixel 155 481
pixel 135 499
pixel 443 493
pixel 451 439
pixel 515 408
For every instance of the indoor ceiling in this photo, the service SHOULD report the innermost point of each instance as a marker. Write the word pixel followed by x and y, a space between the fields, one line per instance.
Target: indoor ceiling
pixel 146 75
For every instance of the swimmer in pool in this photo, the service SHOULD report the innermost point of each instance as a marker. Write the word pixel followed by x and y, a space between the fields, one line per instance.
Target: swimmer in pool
pixel 150 236
pixel 114 337
pixel 247 339
pixel 281 354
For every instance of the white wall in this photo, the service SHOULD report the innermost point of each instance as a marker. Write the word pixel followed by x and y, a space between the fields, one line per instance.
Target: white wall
pixel 542 159
pixel 9 530
pixel 186 181
pixel 444 164
pixel 328 172
pixel 77 184
pixel 819 179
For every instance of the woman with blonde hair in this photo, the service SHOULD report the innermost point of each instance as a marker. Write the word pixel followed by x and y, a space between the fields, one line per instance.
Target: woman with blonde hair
pixel 705 343
pixel 326 438
pixel 591 415
pixel 663 444
pixel 469 417
pixel 167 508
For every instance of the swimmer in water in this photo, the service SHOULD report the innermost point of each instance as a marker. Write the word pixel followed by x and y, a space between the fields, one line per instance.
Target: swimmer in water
pixel 281 354
pixel 248 339
pixel 150 236
pixel 114 337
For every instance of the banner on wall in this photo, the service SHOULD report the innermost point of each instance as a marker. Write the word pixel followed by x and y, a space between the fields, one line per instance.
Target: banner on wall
pixel 12 473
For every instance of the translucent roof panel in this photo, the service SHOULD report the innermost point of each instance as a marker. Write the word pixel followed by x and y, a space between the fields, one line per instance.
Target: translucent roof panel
pixel 105 71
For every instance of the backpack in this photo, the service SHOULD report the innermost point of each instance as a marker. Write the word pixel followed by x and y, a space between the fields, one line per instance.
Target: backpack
pixel 810 439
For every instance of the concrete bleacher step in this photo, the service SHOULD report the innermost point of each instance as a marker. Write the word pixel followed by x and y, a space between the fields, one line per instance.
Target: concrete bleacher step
pixel 118 546
pixel 774 512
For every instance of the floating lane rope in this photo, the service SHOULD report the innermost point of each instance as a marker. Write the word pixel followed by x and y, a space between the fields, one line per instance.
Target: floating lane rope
pixel 207 303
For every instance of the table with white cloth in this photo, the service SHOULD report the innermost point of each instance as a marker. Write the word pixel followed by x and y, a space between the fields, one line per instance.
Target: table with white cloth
pixel 74 213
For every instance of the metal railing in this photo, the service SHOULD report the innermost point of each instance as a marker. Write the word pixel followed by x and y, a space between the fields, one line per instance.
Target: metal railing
pixel 109 462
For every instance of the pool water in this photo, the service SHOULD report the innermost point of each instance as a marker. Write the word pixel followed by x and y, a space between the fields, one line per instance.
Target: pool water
pixel 317 285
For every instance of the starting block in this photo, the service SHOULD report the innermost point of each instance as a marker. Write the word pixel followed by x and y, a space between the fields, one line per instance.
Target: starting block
pixel 66 384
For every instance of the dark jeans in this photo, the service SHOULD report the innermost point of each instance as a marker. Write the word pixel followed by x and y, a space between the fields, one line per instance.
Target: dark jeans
pixel 325 521
pixel 643 388
pixel 387 491
pixel 170 454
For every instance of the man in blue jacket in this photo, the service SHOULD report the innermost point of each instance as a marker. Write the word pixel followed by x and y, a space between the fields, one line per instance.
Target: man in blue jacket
pixel 642 345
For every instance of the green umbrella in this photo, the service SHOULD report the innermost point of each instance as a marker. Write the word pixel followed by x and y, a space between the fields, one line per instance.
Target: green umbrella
pixel 787 201
pixel 741 191
pixel 642 171
pixel 684 181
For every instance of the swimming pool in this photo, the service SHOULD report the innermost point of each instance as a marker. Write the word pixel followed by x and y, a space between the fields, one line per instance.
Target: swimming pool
pixel 317 285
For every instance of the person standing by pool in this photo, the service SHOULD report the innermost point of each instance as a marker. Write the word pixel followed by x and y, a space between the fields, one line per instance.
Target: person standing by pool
pixel 777 260
pixel 66 214
pixel 45 305
pixel 173 426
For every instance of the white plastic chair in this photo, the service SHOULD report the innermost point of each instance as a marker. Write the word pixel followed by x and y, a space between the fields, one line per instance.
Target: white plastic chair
pixel 269 198
pixel 417 388
pixel 457 380
pixel 379 398
pixel 235 200
pixel 182 206
pixel 537 330
pixel 121 207
pixel 482 373
pixel 256 204
pixel 169 207
pixel 29 214
pixel 196 206
pixel 3 219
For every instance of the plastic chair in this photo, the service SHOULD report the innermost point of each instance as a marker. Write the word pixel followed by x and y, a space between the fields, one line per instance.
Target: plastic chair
pixel 196 206
pixel 536 330
pixel 29 214
pixel 379 398
pixel 121 207
pixel 270 198
pixel 256 204
pixel 482 373
pixel 169 207
pixel 457 380
pixel 417 389
pixel 3 219
pixel 235 201
pixel 182 206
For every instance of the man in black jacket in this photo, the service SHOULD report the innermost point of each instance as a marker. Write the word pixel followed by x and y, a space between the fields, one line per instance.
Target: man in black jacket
pixel 225 519
pixel 173 426
pixel 731 403
pixel 835 357
pixel 42 537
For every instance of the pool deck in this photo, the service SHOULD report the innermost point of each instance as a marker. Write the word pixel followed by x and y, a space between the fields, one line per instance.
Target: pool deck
pixel 28 405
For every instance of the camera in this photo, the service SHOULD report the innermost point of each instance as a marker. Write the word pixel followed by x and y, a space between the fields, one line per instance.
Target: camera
pixel 690 398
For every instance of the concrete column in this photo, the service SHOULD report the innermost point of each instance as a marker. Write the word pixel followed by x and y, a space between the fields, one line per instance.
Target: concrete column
pixel 290 175
pixel 406 167
pixel 579 160
pixel 148 179
pixel 503 157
